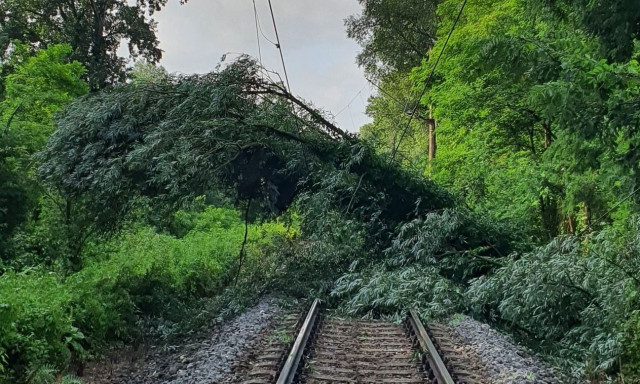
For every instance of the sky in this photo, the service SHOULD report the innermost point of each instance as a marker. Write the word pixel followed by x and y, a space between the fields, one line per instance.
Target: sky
pixel 320 59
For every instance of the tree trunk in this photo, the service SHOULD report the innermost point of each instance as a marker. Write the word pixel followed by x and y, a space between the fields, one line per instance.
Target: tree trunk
pixel 571 226
pixel 432 139
pixel 548 209
pixel 244 241
pixel 549 216
pixel 532 142
pixel 548 135
pixel 98 77
pixel 67 212
pixel 587 216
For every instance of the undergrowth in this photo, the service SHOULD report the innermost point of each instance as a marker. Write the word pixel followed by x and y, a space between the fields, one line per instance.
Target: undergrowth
pixel 578 300
pixel 574 299
pixel 153 283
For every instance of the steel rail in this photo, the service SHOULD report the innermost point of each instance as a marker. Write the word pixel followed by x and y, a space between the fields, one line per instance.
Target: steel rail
pixel 290 368
pixel 435 362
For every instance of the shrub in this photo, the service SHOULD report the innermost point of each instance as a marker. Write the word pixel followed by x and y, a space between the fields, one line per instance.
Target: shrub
pixel 426 267
pixel 329 242
pixel 49 320
pixel 575 298
pixel 631 343
pixel 37 327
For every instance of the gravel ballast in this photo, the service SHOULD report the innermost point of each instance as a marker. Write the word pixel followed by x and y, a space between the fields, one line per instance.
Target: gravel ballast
pixel 505 361
pixel 208 360
pixel 221 355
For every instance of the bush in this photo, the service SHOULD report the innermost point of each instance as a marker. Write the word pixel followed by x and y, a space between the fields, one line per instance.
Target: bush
pixel 631 343
pixel 426 267
pixel 576 299
pixel 323 244
pixel 51 320
pixel 36 325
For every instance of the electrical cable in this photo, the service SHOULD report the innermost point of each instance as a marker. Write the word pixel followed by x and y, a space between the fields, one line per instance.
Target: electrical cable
pixel 279 46
pixel 389 95
pixel 350 102
pixel 286 76
pixel 259 25
pixel 588 226
pixel 379 88
pixel 255 16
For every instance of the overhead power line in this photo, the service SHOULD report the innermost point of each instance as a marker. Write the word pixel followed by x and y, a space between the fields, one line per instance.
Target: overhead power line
pixel 426 84
pixel 405 103
pixel 279 46
pixel 259 25
pixel 351 101
pixel 286 77
pixel 255 16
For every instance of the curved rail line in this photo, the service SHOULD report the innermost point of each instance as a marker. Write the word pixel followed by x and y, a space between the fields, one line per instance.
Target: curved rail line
pixel 380 349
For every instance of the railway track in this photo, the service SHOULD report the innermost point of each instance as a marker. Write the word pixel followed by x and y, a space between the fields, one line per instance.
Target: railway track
pixel 331 350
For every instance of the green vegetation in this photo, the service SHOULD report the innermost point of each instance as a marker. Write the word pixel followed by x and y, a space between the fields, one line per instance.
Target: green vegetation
pixel 576 298
pixel 531 119
pixel 39 87
pixel 53 320
pixel 94 30
pixel 164 203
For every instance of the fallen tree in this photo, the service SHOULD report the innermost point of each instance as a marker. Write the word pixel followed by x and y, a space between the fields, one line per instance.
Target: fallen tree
pixel 231 131
pixel 235 133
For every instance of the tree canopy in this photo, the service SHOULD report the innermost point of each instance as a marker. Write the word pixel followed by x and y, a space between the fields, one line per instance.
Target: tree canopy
pixel 94 29
pixel 36 91
pixel 505 187
pixel 173 140
pixel 394 35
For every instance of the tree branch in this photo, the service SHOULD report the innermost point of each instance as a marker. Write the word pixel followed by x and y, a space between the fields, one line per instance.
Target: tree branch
pixel 278 91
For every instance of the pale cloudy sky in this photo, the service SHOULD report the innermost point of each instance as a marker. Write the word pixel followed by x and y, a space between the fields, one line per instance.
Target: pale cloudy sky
pixel 320 58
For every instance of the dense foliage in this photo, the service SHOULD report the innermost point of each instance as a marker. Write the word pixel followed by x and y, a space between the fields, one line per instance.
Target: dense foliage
pixel 94 29
pixel 579 298
pixel 140 151
pixel 51 320
pixel 150 206
pixel 39 87
pixel 536 108
pixel 393 34
pixel 227 131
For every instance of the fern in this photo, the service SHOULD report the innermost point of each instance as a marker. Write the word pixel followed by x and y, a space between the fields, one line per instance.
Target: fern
pixel 44 374
pixel 70 379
